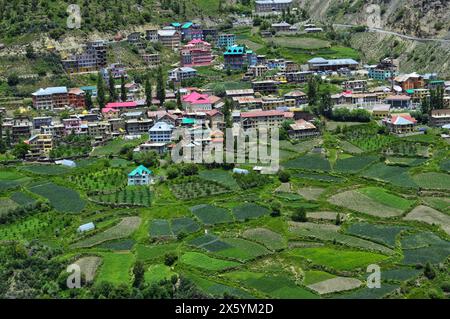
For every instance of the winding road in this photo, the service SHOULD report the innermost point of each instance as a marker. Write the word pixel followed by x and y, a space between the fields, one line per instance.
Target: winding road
pixel 408 37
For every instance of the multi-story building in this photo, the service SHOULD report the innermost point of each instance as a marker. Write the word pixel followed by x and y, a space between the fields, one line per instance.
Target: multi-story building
pixel 321 64
pixel 152 60
pixel 257 71
pixel 400 124
pixel 117 70
pixel 381 111
pixel 298 77
pixel 302 129
pixel 440 117
pixel 138 126
pixel 398 101
pixel 77 98
pixel 50 98
pixel 196 53
pixel 299 97
pixel 181 74
pixel 169 38
pixel 151 35
pixel 226 40
pixel 20 129
pixel 380 74
pixel 38 122
pixel 40 145
pixel 281 26
pixel 99 129
pixel 267 86
pixel 272 5
pixel 93 58
pixel 235 58
pixel 72 125
pixel 239 92
pixel 410 81
pixel 191 31
pixel 210 35
pixel 272 103
pixel 161 132
pixel 140 176
pixel 55 130
pixel 355 85
pixel 259 119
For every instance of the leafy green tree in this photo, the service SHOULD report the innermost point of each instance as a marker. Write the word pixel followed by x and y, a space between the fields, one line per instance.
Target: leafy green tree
pixel 100 91
pixel 123 91
pixel 160 87
pixel 112 88
pixel 312 91
pixel 179 104
pixel 20 150
pixel 170 259
pixel 138 273
pixel 148 91
pixel 299 215
pixel 88 100
pixel 284 176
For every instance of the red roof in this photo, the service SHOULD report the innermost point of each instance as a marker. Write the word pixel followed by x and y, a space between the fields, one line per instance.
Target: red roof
pixel 262 113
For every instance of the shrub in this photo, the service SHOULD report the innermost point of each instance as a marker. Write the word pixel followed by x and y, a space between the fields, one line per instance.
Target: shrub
pixel 299 215
pixel 284 176
pixel 170 259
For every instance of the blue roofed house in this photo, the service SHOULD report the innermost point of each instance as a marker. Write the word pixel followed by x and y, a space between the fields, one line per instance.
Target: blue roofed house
pixel 140 176
pixel 235 58
pixel 161 132
pixel 321 64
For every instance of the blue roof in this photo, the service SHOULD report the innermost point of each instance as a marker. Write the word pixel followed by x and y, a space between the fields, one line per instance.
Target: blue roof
pixel 86 227
pixel 51 90
pixel 140 171
pixel 88 88
pixel 323 61
pixel 175 24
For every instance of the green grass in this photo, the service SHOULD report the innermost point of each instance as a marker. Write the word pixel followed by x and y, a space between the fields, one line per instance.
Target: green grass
pixel 367 293
pixel 146 253
pixel 119 245
pixel 22 199
pixel 47 169
pixel 440 203
pixel 401 274
pixel 157 273
pixel 184 225
pixel 406 161
pixel 122 230
pixel 315 276
pixel 160 228
pixel 338 259
pixel 242 250
pixel 202 261
pixel 221 176
pixel 354 164
pixel 210 215
pixel 396 175
pixel 266 237
pixel 380 195
pixel 433 180
pixel 319 177
pixel 301 42
pixel 249 211
pixel 63 199
pixel 113 147
pixel 7 205
pixel 116 268
pixel 274 286
pixel 9 174
pixel 309 162
pixel 385 234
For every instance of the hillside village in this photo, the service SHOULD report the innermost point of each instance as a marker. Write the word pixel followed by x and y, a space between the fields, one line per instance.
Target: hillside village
pixel 87 172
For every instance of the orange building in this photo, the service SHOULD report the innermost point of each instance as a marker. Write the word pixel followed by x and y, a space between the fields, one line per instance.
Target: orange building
pixel 77 98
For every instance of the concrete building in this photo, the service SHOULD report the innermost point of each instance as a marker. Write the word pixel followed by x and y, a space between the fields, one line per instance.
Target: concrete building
pixel 140 176
pixel 40 146
pixel 196 53
pixel 272 5
pixel 226 40
pixel 161 132
pixel 321 64
pixel 50 98
pixel 302 129
pixel 169 38
pixel 182 73
pixel 440 117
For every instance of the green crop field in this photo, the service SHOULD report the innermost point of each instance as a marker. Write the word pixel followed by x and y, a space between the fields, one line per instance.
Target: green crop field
pixel 242 250
pixel 128 196
pixel 384 234
pixel 122 230
pixel 63 199
pixel 191 188
pixel 199 260
pixel 146 253
pixel 301 42
pixel 354 164
pixel 116 268
pixel 184 225
pixel 275 286
pixel 118 245
pixel 220 176
pixel 401 274
pixel 249 211
pixel 209 242
pixel 160 228
pixel 337 258
pixel 104 180
pixel 266 237
pixel 47 169
pixel 157 273
pixel 210 215
pixel 314 276
pixel 309 162
pixel 22 198
pixel 433 180
pixel 396 175
pixel 319 177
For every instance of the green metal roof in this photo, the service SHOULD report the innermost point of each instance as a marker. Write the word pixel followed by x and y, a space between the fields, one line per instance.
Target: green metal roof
pixel 187 121
pixel 410 91
pixel 187 25
pixel 175 24
pixel 140 171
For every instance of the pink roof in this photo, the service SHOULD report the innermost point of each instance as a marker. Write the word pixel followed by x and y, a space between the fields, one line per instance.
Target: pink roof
pixel 196 98
pixel 262 113
pixel 400 119
pixel 118 105
pixel 195 41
